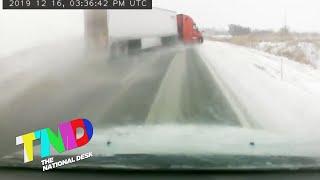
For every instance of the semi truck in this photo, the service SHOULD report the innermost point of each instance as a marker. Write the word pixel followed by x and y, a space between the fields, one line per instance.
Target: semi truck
pixel 128 31
pixel 188 30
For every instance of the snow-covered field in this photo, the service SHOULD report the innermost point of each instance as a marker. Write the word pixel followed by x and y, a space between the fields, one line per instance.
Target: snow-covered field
pixel 304 52
pixel 253 77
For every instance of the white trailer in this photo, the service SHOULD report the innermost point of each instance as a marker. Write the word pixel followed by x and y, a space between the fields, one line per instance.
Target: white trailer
pixel 135 24
pixel 132 30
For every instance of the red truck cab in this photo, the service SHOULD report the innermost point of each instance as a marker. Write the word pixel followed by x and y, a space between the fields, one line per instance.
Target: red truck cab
pixel 188 30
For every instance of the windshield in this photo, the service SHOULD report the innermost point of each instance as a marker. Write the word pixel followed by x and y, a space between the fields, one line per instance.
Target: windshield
pixel 132 89
pixel 195 27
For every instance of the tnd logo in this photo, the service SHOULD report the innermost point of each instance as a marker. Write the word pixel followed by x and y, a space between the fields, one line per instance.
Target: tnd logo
pixel 64 140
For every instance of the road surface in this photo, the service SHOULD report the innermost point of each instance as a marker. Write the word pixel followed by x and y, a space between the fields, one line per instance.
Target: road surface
pixel 211 84
pixel 43 87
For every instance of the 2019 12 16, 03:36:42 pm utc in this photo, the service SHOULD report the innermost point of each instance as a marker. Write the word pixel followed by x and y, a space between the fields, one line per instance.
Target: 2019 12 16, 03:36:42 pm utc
pixel 77 4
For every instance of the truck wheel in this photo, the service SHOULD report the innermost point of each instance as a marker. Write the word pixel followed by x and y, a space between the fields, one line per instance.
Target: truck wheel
pixel 134 46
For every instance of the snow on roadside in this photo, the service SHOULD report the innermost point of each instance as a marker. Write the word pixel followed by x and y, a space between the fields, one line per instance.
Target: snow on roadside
pixel 290 105
pixel 304 52
pixel 311 52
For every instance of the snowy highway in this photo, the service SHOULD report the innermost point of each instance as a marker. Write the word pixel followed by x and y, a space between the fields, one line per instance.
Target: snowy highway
pixel 213 83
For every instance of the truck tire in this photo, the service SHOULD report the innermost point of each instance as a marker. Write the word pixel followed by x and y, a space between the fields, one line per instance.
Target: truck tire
pixel 134 46
pixel 169 40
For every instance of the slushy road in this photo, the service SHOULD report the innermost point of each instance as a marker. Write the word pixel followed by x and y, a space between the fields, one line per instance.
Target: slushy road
pixel 166 86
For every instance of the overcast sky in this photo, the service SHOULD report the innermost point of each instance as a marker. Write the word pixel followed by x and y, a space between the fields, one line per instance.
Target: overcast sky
pixel 24 28
pixel 302 15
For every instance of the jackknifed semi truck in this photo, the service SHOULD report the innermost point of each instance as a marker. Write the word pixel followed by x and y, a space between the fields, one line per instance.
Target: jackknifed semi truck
pixel 128 31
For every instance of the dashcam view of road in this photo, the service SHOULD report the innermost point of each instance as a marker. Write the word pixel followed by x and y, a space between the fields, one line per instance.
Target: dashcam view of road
pixel 164 80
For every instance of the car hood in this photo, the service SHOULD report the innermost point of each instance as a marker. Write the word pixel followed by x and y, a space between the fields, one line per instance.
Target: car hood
pixel 188 147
